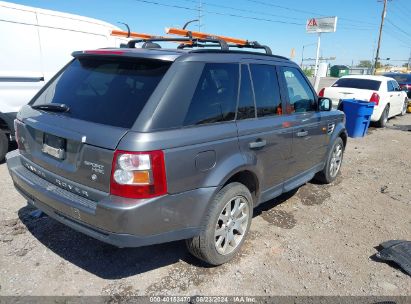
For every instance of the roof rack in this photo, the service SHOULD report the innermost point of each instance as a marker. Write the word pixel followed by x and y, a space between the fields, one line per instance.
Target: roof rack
pixel 234 42
pixel 191 39
pixel 129 34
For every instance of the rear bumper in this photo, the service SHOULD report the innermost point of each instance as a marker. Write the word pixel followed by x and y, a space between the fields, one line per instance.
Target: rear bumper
pixel 115 220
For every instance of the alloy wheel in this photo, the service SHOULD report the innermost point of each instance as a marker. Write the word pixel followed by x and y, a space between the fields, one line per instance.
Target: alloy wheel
pixel 336 159
pixel 231 225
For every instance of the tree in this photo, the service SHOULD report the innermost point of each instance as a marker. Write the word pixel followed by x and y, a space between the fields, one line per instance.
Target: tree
pixel 308 72
pixel 365 64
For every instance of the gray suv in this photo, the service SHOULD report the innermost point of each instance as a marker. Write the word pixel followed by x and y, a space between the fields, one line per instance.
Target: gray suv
pixel 138 146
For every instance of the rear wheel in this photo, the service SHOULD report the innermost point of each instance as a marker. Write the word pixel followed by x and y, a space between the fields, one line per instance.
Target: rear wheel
pixel 4 145
pixel 382 122
pixel 333 164
pixel 404 107
pixel 227 224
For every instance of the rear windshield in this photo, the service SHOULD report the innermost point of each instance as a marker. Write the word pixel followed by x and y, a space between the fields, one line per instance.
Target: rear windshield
pixel 106 91
pixel 401 78
pixel 357 83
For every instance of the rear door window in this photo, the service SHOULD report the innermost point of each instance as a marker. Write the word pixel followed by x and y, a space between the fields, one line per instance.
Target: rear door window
pixel 106 91
pixel 266 90
pixel 395 85
pixel 215 97
pixel 357 83
pixel 246 107
pixel 390 86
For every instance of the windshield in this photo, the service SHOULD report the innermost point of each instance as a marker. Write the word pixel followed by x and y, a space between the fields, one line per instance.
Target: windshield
pixel 106 91
pixel 358 83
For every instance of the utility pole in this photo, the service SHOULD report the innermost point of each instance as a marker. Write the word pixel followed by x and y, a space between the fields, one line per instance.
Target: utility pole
pixel 384 12
pixel 200 14
pixel 409 61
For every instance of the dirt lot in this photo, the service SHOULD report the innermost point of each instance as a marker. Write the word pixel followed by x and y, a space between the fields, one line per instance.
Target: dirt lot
pixel 316 241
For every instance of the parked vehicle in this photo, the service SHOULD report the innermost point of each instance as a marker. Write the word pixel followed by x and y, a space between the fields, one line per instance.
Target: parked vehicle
pixel 385 92
pixel 142 146
pixel 36 44
pixel 404 80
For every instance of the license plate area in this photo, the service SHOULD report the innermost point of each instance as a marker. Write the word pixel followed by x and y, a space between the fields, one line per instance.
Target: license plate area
pixel 54 146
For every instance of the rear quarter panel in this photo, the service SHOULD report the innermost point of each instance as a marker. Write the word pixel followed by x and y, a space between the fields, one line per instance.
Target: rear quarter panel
pixel 195 157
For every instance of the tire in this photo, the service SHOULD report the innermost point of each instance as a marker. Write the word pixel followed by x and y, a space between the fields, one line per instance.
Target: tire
pixel 217 228
pixel 4 145
pixel 404 107
pixel 382 122
pixel 334 158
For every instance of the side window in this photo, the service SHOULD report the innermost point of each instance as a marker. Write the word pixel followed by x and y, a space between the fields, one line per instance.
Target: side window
pixel 395 85
pixel 246 107
pixel 300 96
pixel 266 90
pixel 215 97
pixel 390 87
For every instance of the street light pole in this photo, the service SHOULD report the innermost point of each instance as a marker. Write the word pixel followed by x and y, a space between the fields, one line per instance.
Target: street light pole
pixel 302 54
pixel 318 54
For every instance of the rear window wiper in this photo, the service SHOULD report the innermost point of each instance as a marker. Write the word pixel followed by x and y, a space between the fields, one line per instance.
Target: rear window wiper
pixel 52 107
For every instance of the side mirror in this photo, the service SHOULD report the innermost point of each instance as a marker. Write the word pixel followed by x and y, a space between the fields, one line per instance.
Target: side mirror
pixel 325 104
pixel 404 88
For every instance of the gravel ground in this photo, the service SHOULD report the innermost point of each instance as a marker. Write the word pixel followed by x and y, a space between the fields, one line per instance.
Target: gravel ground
pixel 317 240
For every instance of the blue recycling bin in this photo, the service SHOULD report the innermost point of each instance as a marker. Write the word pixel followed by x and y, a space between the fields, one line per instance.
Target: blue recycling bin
pixel 358 116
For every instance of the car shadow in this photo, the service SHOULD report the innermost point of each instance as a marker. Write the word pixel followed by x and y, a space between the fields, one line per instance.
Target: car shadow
pixel 274 202
pixel 107 261
pixel 101 259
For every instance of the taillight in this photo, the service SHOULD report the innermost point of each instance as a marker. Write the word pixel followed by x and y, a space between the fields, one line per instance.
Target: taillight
pixel 375 98
pixel 321 94
pixel 138 174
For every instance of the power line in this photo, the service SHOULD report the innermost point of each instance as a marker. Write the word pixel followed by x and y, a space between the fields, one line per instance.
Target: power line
pixel 218 13
pixel 305 12
pixel 243 10
pixel 392 34
pixel 400 13
pixel 348 26
pixel 398 28
pixel 406 9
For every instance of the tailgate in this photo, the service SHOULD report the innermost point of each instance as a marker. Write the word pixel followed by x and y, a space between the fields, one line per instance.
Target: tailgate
pixel 78 150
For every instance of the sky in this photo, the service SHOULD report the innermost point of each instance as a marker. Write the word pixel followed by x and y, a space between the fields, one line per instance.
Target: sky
pixel 279 24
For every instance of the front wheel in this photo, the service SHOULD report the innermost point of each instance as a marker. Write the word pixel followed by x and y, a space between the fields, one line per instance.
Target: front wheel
pixel 226 226
pixel 333 164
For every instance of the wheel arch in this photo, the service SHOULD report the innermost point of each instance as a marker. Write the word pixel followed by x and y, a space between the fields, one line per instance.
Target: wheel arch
pixel 246 177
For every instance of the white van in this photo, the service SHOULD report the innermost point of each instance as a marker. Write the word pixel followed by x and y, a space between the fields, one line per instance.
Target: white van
pixel 35 44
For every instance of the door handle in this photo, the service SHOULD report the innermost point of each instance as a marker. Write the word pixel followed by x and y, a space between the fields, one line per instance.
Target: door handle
pixel 302 133
pixel 258 144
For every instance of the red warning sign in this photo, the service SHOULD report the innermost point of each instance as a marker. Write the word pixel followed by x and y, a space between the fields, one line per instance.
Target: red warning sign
pixel 312 22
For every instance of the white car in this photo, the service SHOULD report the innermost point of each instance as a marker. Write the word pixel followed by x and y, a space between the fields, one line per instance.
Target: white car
pixel 385 92
pixel 35 44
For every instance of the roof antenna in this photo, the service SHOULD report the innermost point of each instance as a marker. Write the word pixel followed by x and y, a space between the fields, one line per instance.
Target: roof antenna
pixel 188 22
pixel 128 28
